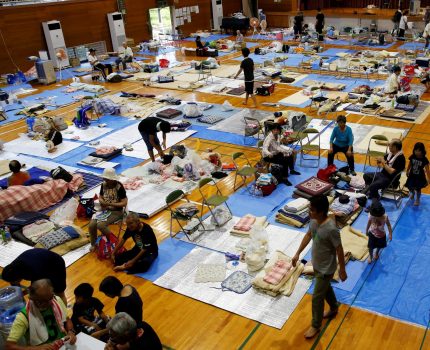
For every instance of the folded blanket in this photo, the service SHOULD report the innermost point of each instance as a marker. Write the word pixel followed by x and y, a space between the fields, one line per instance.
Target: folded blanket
pixel 302 217
pixel 296 205
pixel 278 272
pixel 259 221
pixel 245 223
pixel 355 242
pixel 285 220
pixel 309 269
pixel 287 283
pixel 37 229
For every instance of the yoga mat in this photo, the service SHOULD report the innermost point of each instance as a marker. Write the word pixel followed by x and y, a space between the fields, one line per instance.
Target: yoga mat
pixel 297 100
pixel 411 46
pixel 220 136
pixel 27 146
pixel 211 37
pixel 73 157
pixel 170 251
pixel 254 305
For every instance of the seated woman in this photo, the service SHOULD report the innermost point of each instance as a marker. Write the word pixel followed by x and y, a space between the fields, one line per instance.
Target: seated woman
pixel 113 200
pixel 145 251
pixel 53 138
pixel 199 43
pixel 341 140
pixel 392 164
pixel 275 152
pixel 18 177
pixel 239 37
pixel 94 61
pixel 392 84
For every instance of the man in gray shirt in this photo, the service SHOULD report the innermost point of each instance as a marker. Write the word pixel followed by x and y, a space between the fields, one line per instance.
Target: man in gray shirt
pixel 326 246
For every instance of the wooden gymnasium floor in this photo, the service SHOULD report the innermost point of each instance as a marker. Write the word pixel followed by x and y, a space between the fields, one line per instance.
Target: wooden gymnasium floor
pixel 183 323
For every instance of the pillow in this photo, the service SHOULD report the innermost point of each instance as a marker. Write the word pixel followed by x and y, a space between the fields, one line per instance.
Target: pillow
pixel 107 156
pixel 57 237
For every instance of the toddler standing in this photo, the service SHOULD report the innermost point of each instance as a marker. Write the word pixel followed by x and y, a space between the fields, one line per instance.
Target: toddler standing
pixel 418 172
pixel 376 230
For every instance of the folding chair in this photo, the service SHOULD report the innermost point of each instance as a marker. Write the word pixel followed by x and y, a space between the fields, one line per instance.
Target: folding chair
pixel 245 171
pixel 306 138
pixel 179 216
pixel 394 191
pixel 121 222
pixel 373 153
pixel 252 128
pixel 212 201
pixel 205 72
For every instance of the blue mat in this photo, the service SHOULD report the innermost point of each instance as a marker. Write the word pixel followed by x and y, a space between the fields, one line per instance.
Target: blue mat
pixel 293 59
pixel 11 111
pixel 412 46
pixel 34 172
pixel 170 251
pixel 333 52
pixel 209 38
pixel 74 156
pixel 248 45
pixel 221 136
pixel 159 52
pixel 11 88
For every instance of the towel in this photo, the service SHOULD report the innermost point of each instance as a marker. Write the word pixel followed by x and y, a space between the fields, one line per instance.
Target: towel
pixel 296 205
pixel 278 271
pixel 36 324
pixel 245 223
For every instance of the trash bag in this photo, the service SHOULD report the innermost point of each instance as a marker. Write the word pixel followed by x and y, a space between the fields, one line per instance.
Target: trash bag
pixel 255 256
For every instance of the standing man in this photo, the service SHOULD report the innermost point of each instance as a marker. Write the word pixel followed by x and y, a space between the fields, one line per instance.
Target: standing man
pixel 125 56
pixel 145 251
pixel 36 264
pixel 325 247
pixel 247 67
pixel 396 20
pixel 148 128
pixel 319 25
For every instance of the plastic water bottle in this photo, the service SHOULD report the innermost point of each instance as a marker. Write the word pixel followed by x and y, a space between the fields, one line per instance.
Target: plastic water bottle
pixel 7 234
pixel 30 123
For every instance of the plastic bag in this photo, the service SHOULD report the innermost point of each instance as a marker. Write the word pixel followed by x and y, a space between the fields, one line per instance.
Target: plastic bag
pixel 66 213
pixel 221 214
pixel 255 256
pixel 226 106
pixel 259 235
pixel 192 110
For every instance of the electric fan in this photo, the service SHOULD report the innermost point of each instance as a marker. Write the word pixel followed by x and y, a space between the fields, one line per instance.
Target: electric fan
pixel 61 55
pixel 263 26
pixel 254 23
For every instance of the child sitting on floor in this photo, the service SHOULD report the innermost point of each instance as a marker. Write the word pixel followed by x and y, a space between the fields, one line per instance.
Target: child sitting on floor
pixel 18 177
pixel 375 230
pixel 418 172
pixel 83 317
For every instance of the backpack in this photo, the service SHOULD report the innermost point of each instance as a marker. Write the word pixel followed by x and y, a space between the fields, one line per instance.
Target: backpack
pixel 85 208
pixel 262 91
pixel 324 174
pixel 105 246
pixel 61 173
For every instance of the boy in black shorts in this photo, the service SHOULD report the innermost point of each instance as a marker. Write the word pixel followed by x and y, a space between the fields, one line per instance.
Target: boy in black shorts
pixel 247 66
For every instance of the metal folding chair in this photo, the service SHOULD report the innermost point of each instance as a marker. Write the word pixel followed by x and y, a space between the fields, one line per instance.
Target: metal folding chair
pixel 307 147
pixel 374 153
pixel 245 171
pixel 214 200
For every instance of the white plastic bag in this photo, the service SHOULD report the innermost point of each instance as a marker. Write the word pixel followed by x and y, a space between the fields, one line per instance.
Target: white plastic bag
pixel 222 215
pixel 226 106
pixel 259 236
pixel 255 256
pixel 192 110
pixel 66 213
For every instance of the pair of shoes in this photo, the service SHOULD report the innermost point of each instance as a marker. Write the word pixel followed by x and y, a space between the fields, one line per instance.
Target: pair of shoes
pixel 330 313
pixel 287 182
pixel 311 332
pixel 353 173
pixel 294 172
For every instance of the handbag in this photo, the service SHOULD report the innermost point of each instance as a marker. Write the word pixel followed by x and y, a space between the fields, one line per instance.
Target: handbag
pixel 238 282
pixel 61 173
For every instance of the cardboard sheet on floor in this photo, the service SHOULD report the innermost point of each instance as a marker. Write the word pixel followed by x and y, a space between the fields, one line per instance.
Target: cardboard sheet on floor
pixel 139 148
pixel 170 251
pixel 129 134
pixel 254 305
pixel 236 124
pixel 36 162
pixel 24 145
pixel 12 249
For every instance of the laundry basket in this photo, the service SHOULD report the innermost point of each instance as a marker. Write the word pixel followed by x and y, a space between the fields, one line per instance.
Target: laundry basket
pixel 163 63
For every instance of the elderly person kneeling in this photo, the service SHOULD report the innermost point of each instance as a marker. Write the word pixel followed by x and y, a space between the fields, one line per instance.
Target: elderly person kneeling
pixel 113 200
pixel 125 333
pixel 392 164
pixel 43 320
pixel 275 152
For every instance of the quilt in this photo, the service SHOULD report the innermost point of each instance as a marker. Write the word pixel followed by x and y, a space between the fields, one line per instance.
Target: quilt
pixel 314 186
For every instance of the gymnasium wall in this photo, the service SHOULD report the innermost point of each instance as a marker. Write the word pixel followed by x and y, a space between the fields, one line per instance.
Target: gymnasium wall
pixel 84 21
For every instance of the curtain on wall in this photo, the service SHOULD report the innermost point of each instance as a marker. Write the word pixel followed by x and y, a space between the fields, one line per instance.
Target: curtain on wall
pixel 250 8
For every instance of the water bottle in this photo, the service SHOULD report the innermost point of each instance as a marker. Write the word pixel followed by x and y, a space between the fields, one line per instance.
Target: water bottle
pixel 7 234
pixel 21 77
pixel 30 123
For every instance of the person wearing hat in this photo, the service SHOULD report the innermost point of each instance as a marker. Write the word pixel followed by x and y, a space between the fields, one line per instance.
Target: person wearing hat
pixel 392 84
pixel 376 230
pixel 275 152
pixel 341 140
pixel 113 200
pixel 101 67
pixel 149 128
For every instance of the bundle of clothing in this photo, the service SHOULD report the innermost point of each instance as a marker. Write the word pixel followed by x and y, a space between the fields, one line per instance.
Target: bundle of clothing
pixel 294 213
pixel 278 277
pixel 246 223
pixel 345 210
